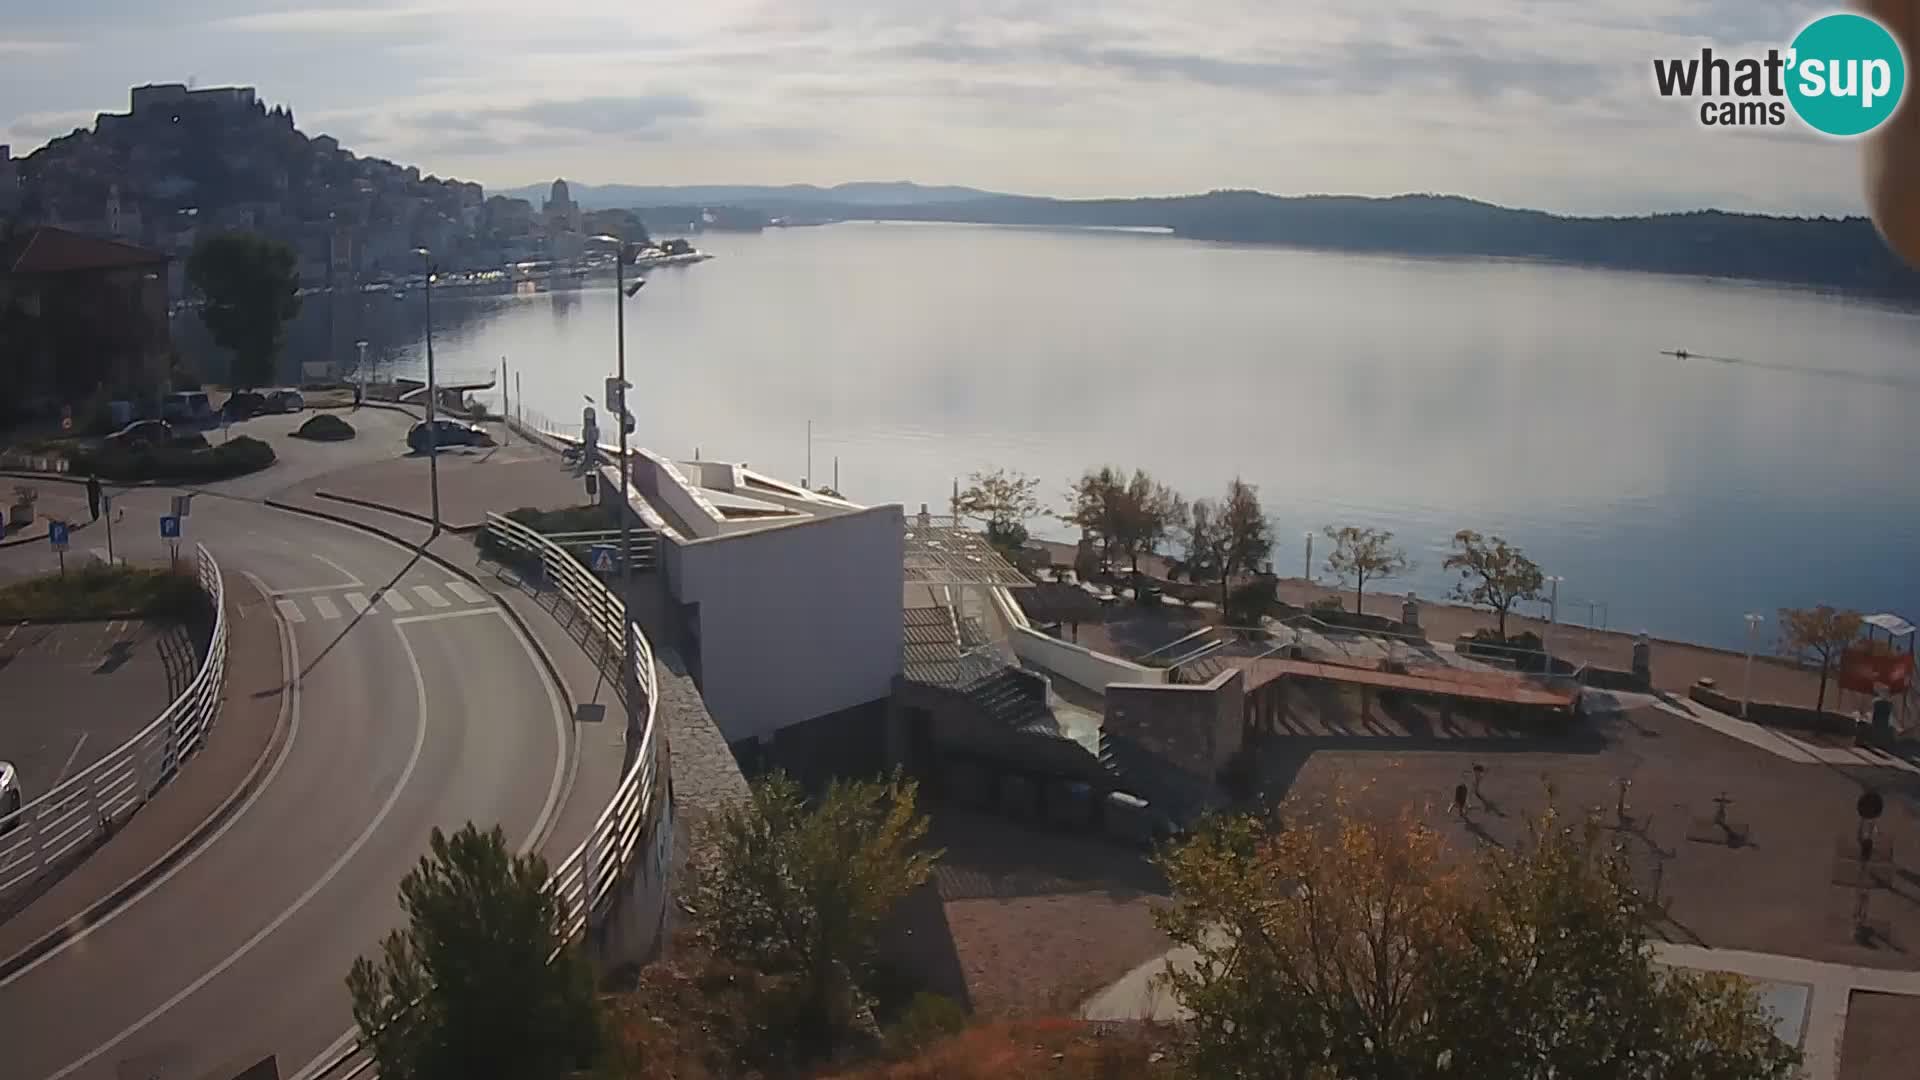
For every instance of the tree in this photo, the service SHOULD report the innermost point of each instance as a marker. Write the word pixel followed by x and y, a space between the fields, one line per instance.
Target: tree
pixel 1362 555
pixel 472 985
pixel 1819 633
pixel 251 285
pixel 1331 944
pixel 1492 574
pixel 800 889
pixel 1247 533
pixel 1002 500
pixel 1206 540
pixel 1094 503
pixel 1147 512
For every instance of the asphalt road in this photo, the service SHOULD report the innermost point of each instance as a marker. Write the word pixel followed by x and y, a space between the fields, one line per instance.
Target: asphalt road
pixel 421 711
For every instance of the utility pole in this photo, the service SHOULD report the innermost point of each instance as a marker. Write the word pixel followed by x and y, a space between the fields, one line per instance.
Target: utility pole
pixel 506 429
pixel 433 391
pixel 620 296
pixel 1308 572
pixel 807 480
pixel 1746 680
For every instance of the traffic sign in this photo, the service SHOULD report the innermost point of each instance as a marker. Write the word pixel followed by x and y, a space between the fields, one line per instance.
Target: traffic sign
pixel 169 527
pixel 616 394
pixel 600 558
pixel 57 533
pixel 182 505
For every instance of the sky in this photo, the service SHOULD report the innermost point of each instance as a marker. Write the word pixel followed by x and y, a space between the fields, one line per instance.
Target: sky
pixel 1546 104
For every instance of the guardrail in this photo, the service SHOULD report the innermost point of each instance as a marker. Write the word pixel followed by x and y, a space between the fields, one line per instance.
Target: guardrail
pixel 589 874
pixel 36 839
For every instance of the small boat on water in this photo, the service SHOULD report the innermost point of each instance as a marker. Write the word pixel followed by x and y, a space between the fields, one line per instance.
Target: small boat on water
pixel 670 253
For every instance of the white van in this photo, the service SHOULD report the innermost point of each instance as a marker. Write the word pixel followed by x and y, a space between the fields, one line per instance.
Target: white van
pixel 187 407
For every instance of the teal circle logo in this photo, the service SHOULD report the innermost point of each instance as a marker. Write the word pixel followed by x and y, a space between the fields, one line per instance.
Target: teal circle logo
pixel 1847 74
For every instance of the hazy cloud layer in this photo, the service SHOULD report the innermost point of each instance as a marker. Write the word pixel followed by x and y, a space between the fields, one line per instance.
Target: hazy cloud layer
pixel 1543 103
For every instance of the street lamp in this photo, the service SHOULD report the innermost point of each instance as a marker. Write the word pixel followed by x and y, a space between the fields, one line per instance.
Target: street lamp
pixel 1308 574
pixel 1553 599
pixel 433 431
pixel 362 368
pixel 622 292
pixel 1746 680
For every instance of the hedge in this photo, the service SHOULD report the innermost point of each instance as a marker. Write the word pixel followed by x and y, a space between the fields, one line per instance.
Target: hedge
pixel 236 457
pixel 325 427
pixel 101 592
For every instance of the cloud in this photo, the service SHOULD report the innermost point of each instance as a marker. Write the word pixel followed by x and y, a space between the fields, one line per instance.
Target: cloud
pixel 634 117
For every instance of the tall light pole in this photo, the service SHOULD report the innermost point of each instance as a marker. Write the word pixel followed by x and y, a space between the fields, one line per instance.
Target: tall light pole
pixel 433 391
pixel 1308 573
pixel 621 294
pixel 1746 680
pixel 1553 599
pixel 362 368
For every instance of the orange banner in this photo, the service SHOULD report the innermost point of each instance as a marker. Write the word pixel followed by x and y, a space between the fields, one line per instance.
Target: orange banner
pixel 1865 670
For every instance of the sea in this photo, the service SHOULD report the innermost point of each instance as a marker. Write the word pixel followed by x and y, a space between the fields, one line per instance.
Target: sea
pixel 1777 464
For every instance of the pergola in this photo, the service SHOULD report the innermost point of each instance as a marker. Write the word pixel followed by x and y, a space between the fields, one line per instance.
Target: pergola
pixel 941 550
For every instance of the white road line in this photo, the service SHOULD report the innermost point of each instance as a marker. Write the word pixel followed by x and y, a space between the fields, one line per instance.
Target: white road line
pixel 99 553
pixel 396 601
pixel 466 592
pixel 307 590
pixel 344 572
pixel 358 602
pixel 325 606
pixel 437 616
pixel 290 709
pixel 290 611
pixel 393 797
pixel 77 744
pixel 431 596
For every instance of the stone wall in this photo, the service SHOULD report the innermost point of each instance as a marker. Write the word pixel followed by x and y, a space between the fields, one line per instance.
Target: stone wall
pixel 1195 728
pixel 1773 713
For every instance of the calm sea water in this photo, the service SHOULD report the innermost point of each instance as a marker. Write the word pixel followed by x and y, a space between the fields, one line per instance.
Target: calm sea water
pixel 1421 396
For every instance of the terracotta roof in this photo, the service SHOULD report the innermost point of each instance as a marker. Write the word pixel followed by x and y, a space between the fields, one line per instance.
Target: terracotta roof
pixel 49 250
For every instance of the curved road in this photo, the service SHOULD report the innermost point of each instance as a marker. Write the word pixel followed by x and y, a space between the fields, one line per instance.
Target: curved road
pixel 426 709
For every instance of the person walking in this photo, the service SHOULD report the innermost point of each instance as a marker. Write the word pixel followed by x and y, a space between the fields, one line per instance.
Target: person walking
pixel 93 495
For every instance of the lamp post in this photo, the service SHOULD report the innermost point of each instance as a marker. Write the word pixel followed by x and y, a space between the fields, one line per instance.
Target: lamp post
pixel 433 391
pixel 362 368
pixel 1746 679
pixel 621 294
pixel 1553 599
pixel 1308 572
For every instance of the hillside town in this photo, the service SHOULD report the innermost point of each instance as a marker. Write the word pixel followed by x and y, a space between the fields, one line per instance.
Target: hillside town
pixel 182 162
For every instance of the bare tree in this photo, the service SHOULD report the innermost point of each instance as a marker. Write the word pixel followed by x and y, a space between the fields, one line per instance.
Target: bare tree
pixel 1361 555
pixel 1492 574
pixel 1818 633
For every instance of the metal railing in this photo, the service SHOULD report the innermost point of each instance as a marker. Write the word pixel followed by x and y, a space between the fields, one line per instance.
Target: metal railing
pixel 62 824
pixel 589 874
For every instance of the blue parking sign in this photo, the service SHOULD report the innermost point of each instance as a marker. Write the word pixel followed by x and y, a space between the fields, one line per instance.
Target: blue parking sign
pixel 57 533
pixel 169 527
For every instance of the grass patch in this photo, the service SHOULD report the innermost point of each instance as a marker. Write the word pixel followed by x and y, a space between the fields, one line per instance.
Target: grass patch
pixel 587 518
pixel 325 427
pixel 102 592
pixel 235 457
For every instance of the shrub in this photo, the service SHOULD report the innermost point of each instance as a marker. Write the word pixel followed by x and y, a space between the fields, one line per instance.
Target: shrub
pixel 1247 603
pixel 325 427
pixel 101 592
pixel 235 457
pixel 187 440
pixel 1326 604
pixel 927 1019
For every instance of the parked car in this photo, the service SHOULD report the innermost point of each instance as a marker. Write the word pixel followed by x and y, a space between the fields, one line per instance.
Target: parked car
pixel 9 796
pixel 142 433
pixel 187 407
pixel 285 401
pixel 448 433
pixel 245 403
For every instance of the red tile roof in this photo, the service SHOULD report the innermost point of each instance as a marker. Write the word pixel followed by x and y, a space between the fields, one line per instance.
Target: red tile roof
pixel 49 250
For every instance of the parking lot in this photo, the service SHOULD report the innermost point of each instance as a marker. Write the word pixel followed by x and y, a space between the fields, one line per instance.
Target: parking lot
pixel 71 693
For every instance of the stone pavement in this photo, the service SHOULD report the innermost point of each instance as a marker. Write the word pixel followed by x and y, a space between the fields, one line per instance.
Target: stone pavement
pixel 1773 740
pixel 247 734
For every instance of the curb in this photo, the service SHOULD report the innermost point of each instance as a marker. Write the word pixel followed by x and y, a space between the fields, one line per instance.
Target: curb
pixel 369 504
pixel 113 901
pixel 546 661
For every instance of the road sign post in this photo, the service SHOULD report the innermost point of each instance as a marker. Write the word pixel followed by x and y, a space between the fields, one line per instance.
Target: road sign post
pixel 106 508
pixel 57 536
pixel 600 559
pixel 170 532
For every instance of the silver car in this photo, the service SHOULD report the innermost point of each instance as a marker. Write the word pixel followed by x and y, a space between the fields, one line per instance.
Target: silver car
pixel 9 797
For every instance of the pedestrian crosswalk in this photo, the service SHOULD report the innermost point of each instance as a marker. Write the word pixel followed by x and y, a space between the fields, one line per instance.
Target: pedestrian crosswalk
pixel 397 600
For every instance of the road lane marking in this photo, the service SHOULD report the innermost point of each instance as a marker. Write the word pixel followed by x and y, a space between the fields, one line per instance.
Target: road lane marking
pixel 290 610
pixel 437 616
pixel 290 711
pixel 344 572
pixel 466 592
pixel 432 597
pixel 99 554
pixel 77 744
pixel 358 602
pixel 396 601
pixel 325 607
pixel 393 797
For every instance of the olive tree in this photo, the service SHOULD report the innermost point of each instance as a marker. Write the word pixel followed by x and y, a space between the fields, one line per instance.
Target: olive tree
pixel 1493 574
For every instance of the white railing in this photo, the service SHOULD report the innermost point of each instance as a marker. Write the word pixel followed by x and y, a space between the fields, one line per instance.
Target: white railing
pixel 589 874
pixel 43 834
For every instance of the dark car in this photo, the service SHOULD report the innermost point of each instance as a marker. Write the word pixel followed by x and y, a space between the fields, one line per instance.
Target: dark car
pixel 448 433
pixel 142 433
pixel 285 401
pixel 244 404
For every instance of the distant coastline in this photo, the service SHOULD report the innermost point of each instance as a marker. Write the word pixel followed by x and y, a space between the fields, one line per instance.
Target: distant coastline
pixel 1840 254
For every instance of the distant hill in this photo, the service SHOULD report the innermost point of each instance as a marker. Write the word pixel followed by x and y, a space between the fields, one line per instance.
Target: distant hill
pixel 759 197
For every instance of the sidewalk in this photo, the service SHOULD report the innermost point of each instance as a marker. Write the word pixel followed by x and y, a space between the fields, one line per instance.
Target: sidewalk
pixel 1773 740
pixel 207 789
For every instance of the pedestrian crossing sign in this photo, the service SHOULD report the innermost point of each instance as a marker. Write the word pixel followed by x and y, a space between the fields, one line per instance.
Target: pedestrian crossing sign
pixel 600 559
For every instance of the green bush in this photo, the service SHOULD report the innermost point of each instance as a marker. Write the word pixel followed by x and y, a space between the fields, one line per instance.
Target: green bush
pixel 1328 603
pixel 235 457
pixel 927 1019
pixel 1247 603
pixel 187 440
pixel 101 592
pixel 325 427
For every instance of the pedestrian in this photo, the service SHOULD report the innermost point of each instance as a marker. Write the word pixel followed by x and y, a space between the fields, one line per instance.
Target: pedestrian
pixel 1460 800
pixel 93 495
